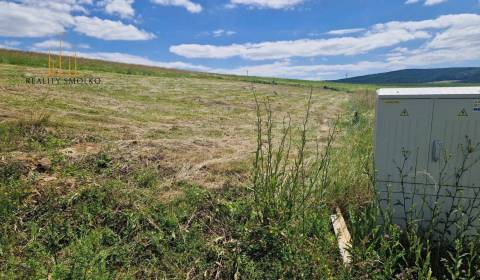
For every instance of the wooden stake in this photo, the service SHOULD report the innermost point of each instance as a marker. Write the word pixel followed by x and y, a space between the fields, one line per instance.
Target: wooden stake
pixel 343 236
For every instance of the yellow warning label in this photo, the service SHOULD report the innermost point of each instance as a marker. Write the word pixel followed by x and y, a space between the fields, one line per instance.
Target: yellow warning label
pixel 404 113
pixel 392 101
pixel 463 113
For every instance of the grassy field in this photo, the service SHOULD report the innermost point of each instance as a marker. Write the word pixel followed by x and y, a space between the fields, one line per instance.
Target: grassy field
pixel 164 174
pixel 201 129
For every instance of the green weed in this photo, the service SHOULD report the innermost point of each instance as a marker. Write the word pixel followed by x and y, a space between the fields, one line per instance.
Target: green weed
pixel 146 178
pixel 31 133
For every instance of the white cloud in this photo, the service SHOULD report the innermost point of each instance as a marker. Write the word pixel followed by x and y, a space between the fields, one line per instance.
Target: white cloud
pixel 52 17
pixel 383 35
pixel 222 32
pixel 52 44
pixel 84 46
pixel 66 6
pixel 455 45
pixel 187 4
pixel 123 8
pixel 271 4
pixel 109 30
pixel 10 45
pixel 18 20
pixel 345 31
pixel 441 24
pixel 426 3
pixel 433 2
pixel 301 48
pixel 3 46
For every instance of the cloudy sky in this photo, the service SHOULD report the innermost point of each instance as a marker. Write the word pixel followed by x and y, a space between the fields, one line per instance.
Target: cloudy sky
pixel 306 39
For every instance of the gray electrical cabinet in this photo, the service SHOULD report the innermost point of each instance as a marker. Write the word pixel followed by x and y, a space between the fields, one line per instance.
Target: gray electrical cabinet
pixel 427 155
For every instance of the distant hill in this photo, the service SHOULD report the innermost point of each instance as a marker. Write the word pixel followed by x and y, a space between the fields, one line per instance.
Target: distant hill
pixel 416 76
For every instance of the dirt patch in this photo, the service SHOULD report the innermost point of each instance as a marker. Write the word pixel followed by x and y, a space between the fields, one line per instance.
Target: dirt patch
pixel 28 162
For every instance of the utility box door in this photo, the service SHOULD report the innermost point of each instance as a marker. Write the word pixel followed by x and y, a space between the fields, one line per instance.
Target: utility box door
pixel 402 148
pixel 456 132
pixel 456 126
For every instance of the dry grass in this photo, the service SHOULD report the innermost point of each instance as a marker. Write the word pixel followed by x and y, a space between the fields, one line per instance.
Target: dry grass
pixel 199 130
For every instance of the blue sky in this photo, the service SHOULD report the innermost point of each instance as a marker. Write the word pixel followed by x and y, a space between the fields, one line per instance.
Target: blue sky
pixel 306 39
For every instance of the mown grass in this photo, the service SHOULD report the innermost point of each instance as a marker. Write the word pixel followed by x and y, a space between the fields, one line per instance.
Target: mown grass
pixel 196 126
